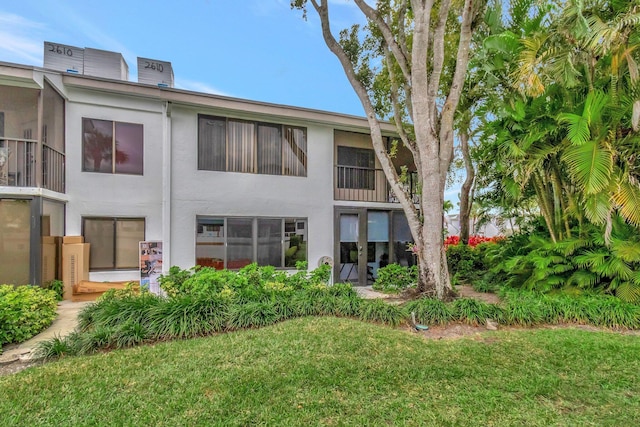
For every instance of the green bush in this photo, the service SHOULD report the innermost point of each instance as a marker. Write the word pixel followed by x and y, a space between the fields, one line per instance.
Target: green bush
pixel 473 311
pixel 56 286
pixel 24 312
pixel 173 282
pixel 394 278
pixel 377 310
pixel 429 311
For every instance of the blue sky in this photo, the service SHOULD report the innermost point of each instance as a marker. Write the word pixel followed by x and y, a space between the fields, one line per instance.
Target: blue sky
pixel 253 49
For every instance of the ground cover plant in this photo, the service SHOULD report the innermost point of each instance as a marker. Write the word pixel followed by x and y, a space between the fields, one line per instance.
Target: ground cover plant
pixel 336 371
pixel 24 312
pixel 205 301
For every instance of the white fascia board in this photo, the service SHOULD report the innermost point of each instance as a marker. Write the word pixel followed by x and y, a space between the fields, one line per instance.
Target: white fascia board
pixel 223 104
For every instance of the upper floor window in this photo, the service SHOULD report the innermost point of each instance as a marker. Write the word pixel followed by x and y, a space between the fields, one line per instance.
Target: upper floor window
pixel 251 147
pixel 112 147
pixel 356 168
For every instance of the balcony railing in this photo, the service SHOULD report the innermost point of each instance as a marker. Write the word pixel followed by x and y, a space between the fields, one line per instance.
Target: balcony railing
pixel 18 165
pixel 52 169
pixel 18 162
pixel 367 185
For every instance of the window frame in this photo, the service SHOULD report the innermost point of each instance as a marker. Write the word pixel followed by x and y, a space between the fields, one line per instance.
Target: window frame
pixel 255 220
pixel 256 147
pixel 114 221
pixel 114 126
pixel 357 177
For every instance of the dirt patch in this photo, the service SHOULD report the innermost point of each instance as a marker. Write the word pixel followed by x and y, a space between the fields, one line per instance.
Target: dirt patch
pixel 481 333
pixel 466 291
pixel 452 331
pixel 14 367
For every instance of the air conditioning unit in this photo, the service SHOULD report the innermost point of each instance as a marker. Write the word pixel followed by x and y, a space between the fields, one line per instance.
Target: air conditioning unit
pixel 65 58
pixel 155 72
pixel 106 64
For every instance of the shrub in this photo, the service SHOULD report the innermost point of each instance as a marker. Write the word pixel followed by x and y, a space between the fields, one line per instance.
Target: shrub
pixel 376 310
pixel 24 312
pixel 56 347
pixel 187 316
pixel 173 282
pixel 348 306
pixel 56 286
pixel 395 278
pixel 429 311
pixel 252 315
pixel 472 311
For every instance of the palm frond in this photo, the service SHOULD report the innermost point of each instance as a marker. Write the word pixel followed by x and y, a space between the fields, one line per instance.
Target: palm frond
pixel 590 165
pixel 628 292
pixel 578 126
pixel 583 279
pixel 627 199
pixel 591 258
pixel 597 208
pixel 627 250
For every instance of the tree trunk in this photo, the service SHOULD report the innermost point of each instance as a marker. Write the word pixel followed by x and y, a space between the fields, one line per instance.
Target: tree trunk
pixel 422 65
pixel 465 191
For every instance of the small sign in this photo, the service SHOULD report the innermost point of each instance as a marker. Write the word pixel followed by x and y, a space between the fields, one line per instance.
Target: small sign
pixel 151 266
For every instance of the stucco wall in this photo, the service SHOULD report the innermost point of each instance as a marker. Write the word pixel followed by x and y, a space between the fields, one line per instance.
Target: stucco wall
pixel 114 195
pixel 195 192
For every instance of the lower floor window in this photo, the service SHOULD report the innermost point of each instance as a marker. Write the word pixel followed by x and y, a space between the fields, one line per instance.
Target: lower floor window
pixel 114 242
pixel 233 242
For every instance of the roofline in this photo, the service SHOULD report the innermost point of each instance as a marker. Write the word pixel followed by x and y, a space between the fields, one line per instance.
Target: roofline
pixel 200 99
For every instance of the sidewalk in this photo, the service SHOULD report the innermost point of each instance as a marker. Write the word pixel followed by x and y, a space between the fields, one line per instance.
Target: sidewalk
pixel 64 324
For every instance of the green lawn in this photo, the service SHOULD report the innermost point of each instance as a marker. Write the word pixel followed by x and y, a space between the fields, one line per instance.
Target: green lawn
pixel 329 371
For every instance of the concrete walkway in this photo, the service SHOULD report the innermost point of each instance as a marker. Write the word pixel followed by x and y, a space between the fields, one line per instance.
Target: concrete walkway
pixel 367 292
pixel 64 324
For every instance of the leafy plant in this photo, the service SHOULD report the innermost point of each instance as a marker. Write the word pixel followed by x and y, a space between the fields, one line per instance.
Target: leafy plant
pixel 24 312
pixel 376 310
pixel 56 286
pixel 429 311
pixel 472 311
pixel 587 262
pixel 252 315
pixel 395 278
pixel 173 282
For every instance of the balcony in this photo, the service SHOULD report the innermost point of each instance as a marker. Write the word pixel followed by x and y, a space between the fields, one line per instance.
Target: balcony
pixel 367 185
pixel 19 165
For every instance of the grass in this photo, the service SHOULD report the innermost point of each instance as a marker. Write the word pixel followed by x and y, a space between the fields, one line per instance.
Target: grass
pixel 336 371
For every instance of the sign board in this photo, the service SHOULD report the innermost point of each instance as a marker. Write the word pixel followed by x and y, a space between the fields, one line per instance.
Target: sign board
pixel 151 266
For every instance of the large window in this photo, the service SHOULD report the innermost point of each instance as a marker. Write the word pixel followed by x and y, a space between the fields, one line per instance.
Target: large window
pixel 114 242
pixel 112 147
pixel 234 242
pixel 356 168
pixel 251 147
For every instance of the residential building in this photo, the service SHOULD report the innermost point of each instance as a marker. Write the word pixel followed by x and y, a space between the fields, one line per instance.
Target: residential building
pixel 220 181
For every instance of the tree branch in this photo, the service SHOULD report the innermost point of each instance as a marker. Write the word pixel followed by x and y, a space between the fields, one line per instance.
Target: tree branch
pixel 374 124
pixel 438 50
pixel 373 15
pixel 451 103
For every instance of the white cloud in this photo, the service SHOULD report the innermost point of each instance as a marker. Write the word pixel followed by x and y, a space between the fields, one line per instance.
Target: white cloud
pixel 20 39
pixel 197 86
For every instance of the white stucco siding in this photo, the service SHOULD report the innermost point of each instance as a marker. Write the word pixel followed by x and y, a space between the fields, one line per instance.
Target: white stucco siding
pixel 114 195
pixel 195 192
